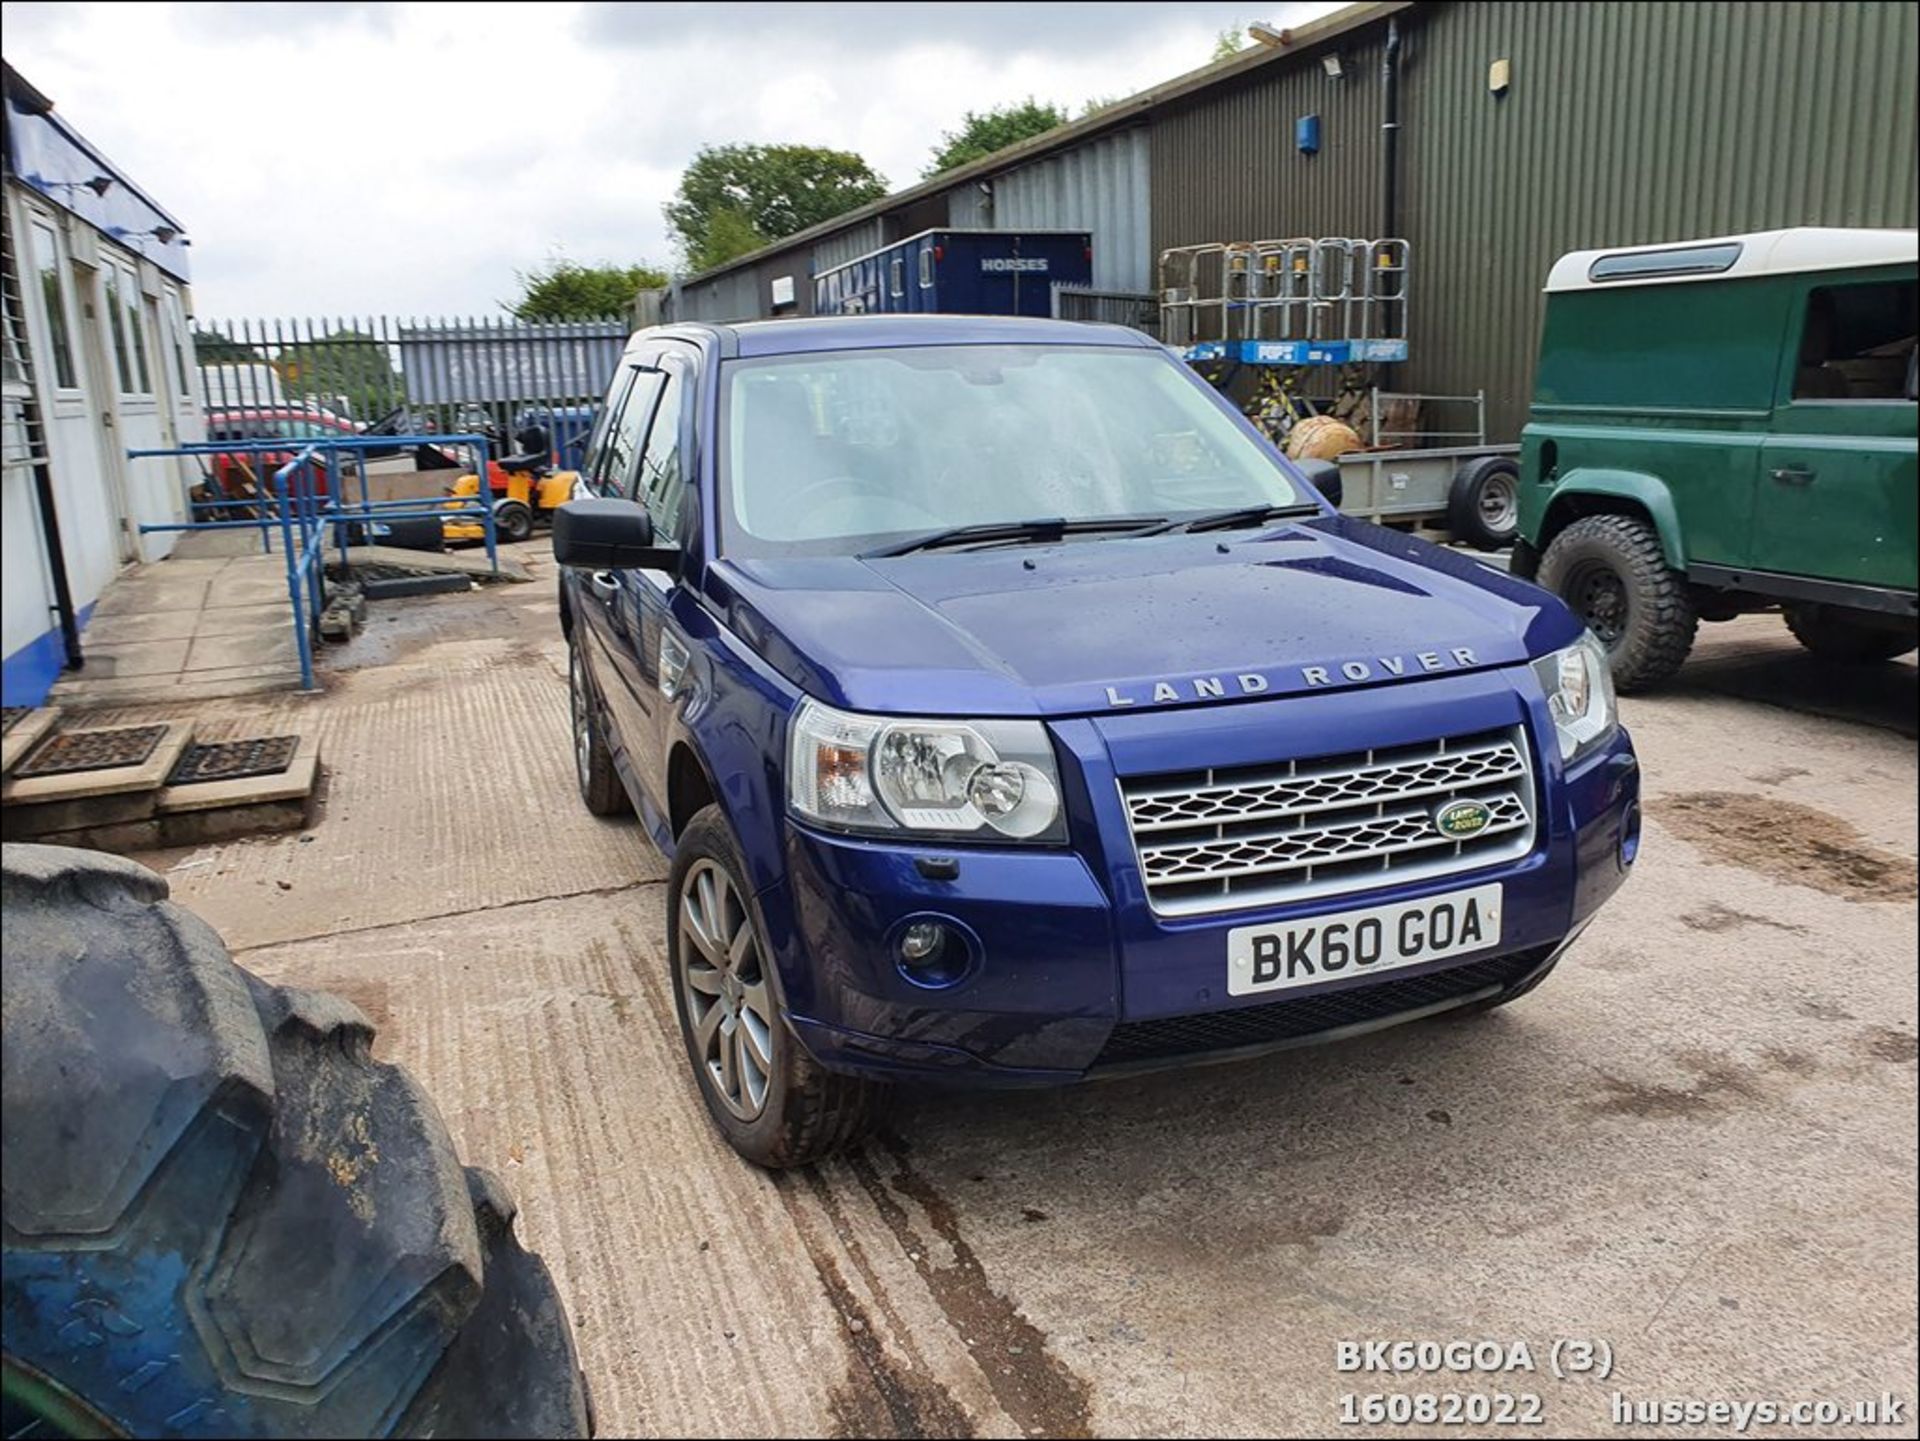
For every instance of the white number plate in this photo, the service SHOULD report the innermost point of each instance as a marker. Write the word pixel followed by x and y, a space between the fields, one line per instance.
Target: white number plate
pixel 1366 942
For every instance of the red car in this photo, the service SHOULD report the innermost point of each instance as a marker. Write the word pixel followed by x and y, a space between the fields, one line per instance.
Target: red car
pixel 241 475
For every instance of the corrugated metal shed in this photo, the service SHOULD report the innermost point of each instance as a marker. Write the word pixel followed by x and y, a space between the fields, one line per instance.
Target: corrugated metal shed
pixel 1099 186
pixel 849 244
pixel 1630 124
pixel 1624 124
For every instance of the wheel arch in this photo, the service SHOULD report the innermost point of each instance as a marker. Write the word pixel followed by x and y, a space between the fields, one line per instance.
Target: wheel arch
pixel 1616 492
pixel 690 789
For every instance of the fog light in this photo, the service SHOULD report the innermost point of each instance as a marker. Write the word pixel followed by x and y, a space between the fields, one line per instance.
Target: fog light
pixel 1629 836
pixel 921 942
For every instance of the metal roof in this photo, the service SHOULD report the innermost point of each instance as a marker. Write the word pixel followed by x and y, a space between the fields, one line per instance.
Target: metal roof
pixel 1112 117
pixel 1731 257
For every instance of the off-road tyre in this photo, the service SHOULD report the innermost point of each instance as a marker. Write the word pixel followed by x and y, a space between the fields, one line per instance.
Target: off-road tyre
pixel 1834 635
pixel 600 788
pixel 809 1112
pixel 222 1217
pixel 1473 516
pixel 512 520
pixel 1651 628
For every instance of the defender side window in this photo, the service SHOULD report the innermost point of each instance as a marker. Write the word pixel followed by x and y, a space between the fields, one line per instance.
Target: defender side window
pixel 1857 342
pixel 659 483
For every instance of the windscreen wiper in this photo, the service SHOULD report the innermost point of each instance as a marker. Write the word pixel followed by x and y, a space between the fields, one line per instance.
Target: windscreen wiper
pixel 987 532
pixel 1234 519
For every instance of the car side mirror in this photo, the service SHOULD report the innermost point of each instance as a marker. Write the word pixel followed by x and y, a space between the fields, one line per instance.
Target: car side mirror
pixel 1323 476
pixel 601 534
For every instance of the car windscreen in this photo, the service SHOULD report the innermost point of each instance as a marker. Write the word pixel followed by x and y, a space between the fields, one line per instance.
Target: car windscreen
pixel 830 453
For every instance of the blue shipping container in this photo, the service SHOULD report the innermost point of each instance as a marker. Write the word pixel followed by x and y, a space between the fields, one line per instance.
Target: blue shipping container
pixel 958 272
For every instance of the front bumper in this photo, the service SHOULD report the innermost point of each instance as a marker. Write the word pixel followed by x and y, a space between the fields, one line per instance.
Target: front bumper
pixel 1071 973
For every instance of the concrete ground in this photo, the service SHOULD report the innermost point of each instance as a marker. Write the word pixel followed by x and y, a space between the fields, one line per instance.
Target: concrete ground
pixel 1695 1144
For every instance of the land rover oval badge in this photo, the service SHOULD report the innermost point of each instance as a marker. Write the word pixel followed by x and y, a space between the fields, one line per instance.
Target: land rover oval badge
pixel 1461 818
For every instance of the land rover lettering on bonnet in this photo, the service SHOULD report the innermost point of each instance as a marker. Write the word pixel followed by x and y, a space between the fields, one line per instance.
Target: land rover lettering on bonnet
pixel 1012 713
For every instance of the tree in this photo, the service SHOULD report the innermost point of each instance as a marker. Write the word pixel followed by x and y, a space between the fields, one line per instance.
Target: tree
pixel 736 198
pixel 1227 44
pixel 566 290
pixel 210 347
pixel 982 134
pixel 347 368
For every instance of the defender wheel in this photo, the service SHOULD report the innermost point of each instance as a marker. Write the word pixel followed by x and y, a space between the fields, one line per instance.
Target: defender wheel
pixel 223 1217
pixel 1835 635
pixel 1483 504
pixel 599 783
pixel 1611 570
pixel 512 521
pixel 773 1102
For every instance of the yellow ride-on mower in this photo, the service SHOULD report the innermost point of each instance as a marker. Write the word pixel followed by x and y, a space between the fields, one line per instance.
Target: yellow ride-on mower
pixel 525 489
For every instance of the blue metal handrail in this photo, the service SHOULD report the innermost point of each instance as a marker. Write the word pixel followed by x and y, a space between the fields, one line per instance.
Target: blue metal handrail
pixel 302 514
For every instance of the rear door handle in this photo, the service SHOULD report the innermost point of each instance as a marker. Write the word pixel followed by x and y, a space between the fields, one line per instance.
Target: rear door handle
pixel 1793 475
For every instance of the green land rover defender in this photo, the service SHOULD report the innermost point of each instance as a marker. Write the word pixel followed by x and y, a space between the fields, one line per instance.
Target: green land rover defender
pixel 1722 426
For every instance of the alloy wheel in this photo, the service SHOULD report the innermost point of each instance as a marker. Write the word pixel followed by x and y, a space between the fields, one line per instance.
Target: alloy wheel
pixel 723 982
pixel 582 722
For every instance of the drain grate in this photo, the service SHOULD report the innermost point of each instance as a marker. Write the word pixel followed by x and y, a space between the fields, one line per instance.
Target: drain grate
pixel 92 751
pixel 13 714
pixel 232 760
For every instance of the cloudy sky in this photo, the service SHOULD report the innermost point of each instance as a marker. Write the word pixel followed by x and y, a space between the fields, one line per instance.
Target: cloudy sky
pixel 409 158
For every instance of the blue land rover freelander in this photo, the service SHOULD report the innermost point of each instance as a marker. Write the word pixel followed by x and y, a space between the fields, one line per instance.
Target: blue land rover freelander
pixel 1014 714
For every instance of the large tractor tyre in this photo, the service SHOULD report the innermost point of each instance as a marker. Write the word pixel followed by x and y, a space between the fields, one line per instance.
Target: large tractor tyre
pixel 1483 503
pixel 222 1217
pixel 1834 635
pixel 1611 570
pixel 773 1102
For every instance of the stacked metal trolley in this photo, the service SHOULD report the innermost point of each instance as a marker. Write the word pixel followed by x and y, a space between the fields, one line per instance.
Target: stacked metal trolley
pixel 1293 309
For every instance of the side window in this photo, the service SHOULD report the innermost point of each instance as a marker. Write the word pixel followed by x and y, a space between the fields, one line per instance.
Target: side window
pixel 53 296
pixel 603 422
pixel 896 276
pixel 134 304
pixel 176 323
pixel 1858 342
pixel 926 267
pixel 658 484
pixel 614 474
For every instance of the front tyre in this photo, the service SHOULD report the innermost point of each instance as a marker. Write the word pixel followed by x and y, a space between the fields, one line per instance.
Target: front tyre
pixel 773 1102
pixel 1835 635
pixel 1613 574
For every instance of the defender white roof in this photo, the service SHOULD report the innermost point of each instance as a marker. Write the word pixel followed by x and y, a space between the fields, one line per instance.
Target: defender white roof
pixel 1730 257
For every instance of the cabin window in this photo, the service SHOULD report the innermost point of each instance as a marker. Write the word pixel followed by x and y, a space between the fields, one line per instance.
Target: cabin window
pixel 1857 342
pixel 53 295
pixel 897 276
pixel 926 268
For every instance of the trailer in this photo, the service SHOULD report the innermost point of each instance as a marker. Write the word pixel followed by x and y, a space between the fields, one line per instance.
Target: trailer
pixel 958 272
pixel 1285 311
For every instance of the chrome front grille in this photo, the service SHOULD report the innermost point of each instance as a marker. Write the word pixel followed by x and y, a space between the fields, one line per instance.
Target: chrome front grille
pixel 1218 839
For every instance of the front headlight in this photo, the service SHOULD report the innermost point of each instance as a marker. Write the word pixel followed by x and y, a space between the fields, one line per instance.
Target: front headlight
pixel 985 780
pixel 1579 686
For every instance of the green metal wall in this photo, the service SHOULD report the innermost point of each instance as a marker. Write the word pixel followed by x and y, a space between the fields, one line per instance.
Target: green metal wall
pixel 1625 123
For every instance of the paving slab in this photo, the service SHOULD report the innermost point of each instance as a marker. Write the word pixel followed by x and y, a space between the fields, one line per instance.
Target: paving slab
pixel 256 647
pixel 243 619
pixel 134 629
pixel 295 781
pixel 76 785
pixel 141 594
pixel 25 734
pixel 136 658
pixel 247 589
